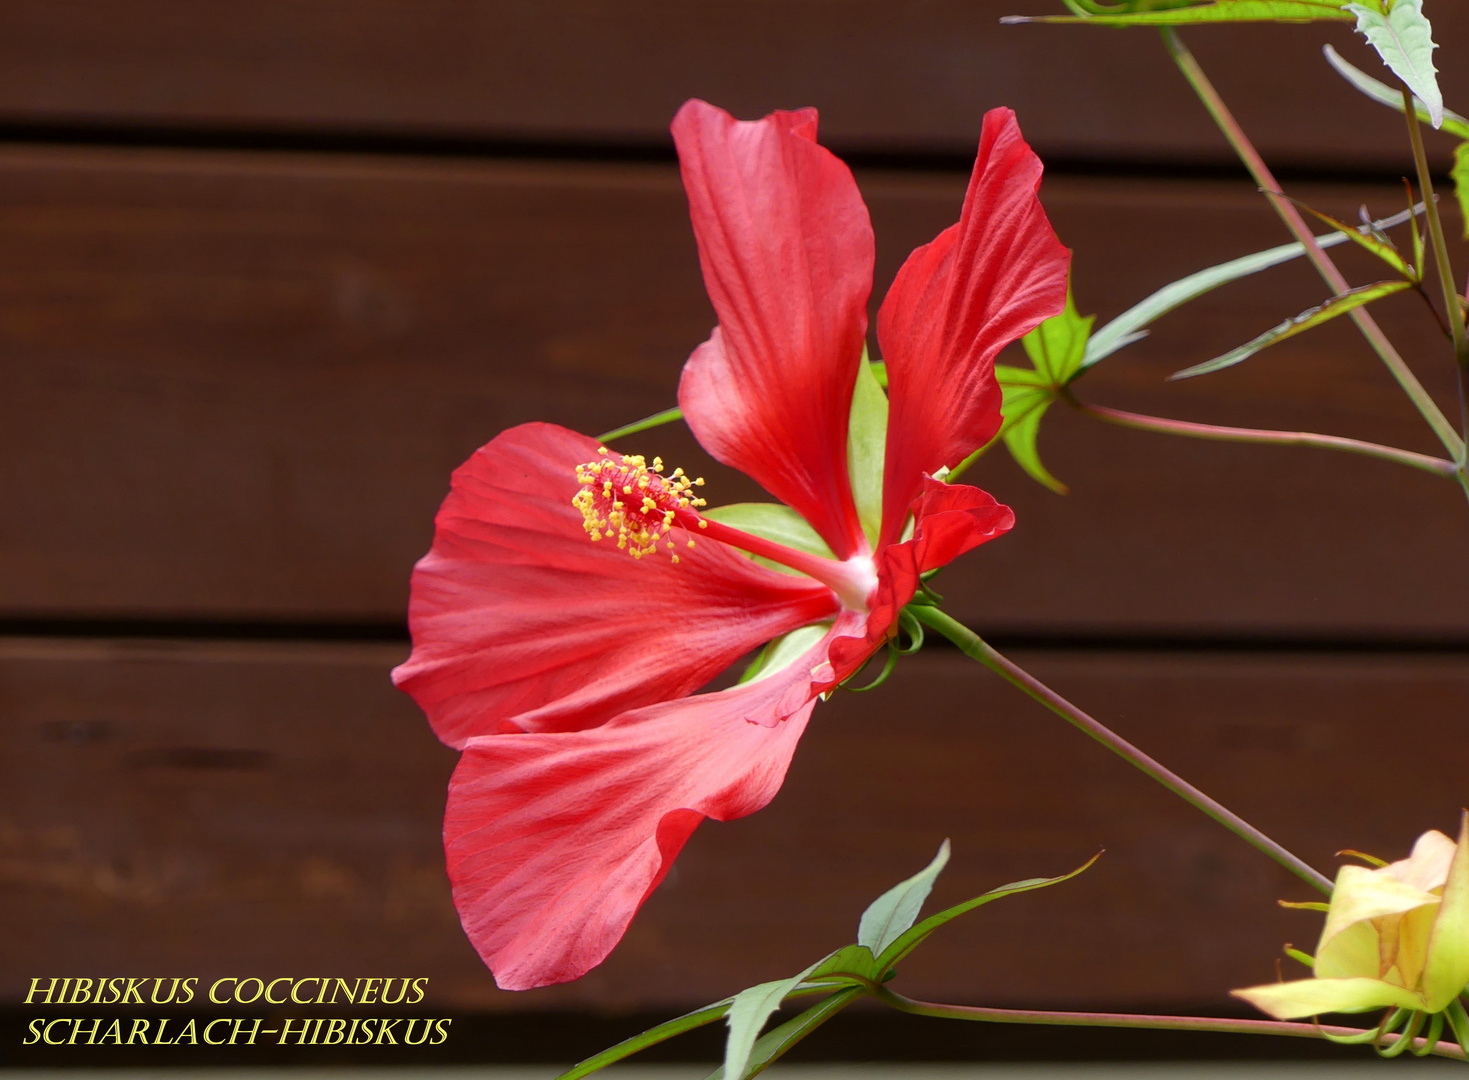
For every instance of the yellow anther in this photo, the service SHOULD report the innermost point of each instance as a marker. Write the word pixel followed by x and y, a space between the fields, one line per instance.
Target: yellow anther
pixel 637 525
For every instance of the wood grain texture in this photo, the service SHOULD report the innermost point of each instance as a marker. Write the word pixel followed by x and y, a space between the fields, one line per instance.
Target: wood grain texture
pixel 236 385
pixel 270 809
pixel 888 76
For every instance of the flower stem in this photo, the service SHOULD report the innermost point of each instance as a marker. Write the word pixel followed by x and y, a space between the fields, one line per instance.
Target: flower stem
pixel 1139 1020
pixel 1227 124
pixel 1266 437
pixel 1454 313
pixel 974 646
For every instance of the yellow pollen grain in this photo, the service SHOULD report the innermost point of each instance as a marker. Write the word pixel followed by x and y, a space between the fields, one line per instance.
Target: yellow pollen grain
pixel 637 525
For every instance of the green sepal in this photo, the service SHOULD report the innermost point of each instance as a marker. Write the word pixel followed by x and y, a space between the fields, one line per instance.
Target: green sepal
pixel 1218 11
pixel 782 652
pixel 1403 39
pixel 1337 305
pixel 1024 407
pixel 867 435
pixel 667 416
pixel 892 913
pixel 915 936
pixel 1405 1039
pixel 772 521
pixel 1301 957
pixel 1432 1038
pixel 1386 95
pixel 1458 1022
pixel 1305 905
pixel 770 1047
pixel 709 1014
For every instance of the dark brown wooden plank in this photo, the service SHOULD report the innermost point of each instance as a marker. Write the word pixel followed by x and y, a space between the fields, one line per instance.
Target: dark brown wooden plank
pixel 890 76
pixel 229 810
pixel 236 386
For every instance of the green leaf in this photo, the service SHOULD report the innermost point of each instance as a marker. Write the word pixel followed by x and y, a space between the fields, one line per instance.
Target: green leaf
pixel 782 652
pixel 748 1013
pixel 1404 40
pixel 914 937
pixel 667 416
pixel 1216 12
pixel 854 961
pixel 1056 347
pixel 1368 241
pixel 894 911
pixel 1128 327
pixel 1460 176
pixel 774 1043
pixel 867 435
pixel 1381 92
pixel 1022 432
pixel 1337 305
pixel 773 521
pixel 688 1022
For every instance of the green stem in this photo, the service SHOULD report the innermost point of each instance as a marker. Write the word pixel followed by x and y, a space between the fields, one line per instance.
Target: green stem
pixel 1140 1020
pixel 974 646
pixel 1266 437
pixel 1436 235
pixel 1227 124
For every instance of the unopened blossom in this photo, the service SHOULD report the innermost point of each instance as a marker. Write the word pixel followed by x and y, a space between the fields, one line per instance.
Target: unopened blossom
pixel 576 597
pixel 1396 936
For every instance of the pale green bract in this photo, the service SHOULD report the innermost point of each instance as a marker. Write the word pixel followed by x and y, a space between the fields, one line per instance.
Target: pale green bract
pixel 897 909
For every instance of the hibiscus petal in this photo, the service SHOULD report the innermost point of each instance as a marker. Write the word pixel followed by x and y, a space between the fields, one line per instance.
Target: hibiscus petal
pixel 948 520
pixel 786 248
pixel 955 304
pixel 1312 997
pixel 521 623
pixel 555 840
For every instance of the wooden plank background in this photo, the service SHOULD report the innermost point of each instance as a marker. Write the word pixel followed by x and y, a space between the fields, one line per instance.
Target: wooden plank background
pixel 241 355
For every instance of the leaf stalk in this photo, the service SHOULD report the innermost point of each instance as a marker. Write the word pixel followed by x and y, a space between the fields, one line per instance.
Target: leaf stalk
pixel 1141 1020
pixel 1267 437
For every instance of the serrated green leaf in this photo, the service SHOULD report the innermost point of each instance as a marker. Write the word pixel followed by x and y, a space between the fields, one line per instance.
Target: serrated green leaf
pixel 1219 11
pixel 1386 95
pixel 773 521
pixel 1020 439
pixel 1368 241
pixel 709 1014
pixel 1337 305
pixel 1056 346
pixel 1404 40
pixel 1129 326
pixel 773 1044
pixel 867 434
pixel 894 911
pixel 1460 176
pixel 911 939
pixel 748 1013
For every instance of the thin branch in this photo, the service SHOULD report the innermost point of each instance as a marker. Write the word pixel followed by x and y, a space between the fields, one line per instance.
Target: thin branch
pixel 1266 437
pixel 976 647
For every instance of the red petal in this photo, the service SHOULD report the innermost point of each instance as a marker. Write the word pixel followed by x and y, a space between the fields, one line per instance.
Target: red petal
pixel 786 248
pixel 521 622
pixel 949 519
pixel 955 304
pixel 555 840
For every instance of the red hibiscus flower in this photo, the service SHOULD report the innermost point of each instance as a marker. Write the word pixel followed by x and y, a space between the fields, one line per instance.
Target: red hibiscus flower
pixel 565 669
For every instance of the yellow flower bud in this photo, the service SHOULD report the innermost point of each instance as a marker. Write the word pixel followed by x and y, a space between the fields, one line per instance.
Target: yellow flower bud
pixel 1394 936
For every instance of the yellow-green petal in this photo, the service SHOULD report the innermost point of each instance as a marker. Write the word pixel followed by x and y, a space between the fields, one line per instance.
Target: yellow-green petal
pixel 1312 997
pixel 1360 895
pixel 1447 970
